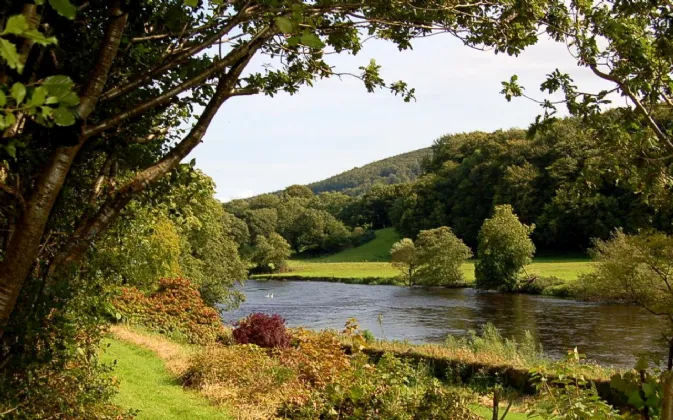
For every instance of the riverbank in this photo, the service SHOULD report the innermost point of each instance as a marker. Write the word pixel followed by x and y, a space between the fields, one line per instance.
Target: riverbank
pixel 555 274
pixel 157 375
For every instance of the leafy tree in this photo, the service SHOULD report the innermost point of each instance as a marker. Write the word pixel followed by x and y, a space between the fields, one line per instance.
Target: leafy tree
pixel 403 256
pixel 270 253
pixel 504 250
pixel 318 231
pixel 635 269
pixel 627 47
pixel 439 255
pixel 297 191
pixel 264 201
pixel 261 221
pixel 433 260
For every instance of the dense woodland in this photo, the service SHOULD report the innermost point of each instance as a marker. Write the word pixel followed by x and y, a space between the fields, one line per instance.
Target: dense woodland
pixel 557 178
pixel 393 170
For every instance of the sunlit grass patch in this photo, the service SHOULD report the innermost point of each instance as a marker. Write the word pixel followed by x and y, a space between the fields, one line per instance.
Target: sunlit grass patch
pixel 147 385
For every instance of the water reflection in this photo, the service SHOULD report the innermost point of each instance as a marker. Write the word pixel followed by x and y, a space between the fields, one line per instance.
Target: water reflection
pixel 607 333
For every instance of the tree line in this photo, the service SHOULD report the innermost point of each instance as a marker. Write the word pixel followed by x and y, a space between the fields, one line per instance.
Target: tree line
pixel 559 178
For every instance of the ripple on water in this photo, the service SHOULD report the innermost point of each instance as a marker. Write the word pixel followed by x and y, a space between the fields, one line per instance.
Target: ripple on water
pixel 609 334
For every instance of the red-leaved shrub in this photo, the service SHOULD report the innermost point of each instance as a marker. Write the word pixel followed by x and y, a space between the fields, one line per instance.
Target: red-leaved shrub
pixel 263 330
pixel 176 308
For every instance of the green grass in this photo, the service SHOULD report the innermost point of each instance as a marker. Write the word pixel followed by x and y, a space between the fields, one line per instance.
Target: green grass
pixel 376 250
pixel 565 269
pixel 486 413
pixel 145 385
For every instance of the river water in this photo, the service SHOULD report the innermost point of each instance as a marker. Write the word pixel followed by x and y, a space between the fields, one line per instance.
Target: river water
pixel 609 334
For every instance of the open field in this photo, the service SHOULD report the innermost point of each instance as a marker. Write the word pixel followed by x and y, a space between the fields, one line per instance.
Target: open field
pixel 370 261
pixel 565 269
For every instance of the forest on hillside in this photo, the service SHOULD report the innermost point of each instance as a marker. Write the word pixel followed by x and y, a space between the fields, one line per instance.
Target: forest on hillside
pixel 399 169
pixel 557 178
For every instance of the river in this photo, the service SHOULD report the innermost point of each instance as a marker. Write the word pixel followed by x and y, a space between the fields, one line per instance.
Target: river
pixel 608 334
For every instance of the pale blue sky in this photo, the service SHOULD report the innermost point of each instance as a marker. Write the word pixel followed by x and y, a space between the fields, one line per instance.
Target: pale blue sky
pixel 260 144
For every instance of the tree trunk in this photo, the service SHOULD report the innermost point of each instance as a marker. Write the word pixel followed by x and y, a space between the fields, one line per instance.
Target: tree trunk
pixel 24 245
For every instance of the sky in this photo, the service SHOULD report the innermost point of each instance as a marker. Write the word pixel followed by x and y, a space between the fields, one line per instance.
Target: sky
pixel 257 144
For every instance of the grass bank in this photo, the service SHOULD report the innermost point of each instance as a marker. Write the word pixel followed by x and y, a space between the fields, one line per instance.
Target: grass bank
pixel 148 382
pixel 567 269
pixel 369 264
pixel 149 366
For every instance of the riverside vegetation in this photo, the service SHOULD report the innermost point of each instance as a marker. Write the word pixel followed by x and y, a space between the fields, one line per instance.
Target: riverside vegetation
pixel 263 370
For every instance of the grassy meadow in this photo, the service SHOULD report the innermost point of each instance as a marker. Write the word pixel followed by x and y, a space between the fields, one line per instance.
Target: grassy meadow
pixel 371 260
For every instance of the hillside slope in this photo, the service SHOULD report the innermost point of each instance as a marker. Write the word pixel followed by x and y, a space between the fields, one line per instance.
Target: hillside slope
pixel 393 170
pixel 378 249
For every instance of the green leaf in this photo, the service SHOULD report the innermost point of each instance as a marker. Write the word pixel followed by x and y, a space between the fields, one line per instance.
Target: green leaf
pixel 71 99
pixel 192 3
pixel 11 56
pixel 293 41
pixel 3 98
pixel 284 24
pixel 59 86
pixel 51 100
pixel 18 92
pixel 10 119
pixel 39 37
pixel 16 25
pixel 39 2
pixel 311 40
pixel 64 8
pixel 63 117
pixel 39 96
pixel 11 150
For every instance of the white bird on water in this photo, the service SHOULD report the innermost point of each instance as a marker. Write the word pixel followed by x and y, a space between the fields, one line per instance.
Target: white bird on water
pixel 269 296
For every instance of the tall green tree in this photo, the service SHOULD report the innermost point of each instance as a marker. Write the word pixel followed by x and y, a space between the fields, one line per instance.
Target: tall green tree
pixel 504 250
pixel 270 253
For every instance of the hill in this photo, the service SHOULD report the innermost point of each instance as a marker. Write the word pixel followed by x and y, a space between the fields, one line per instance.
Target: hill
pixel 393 170
pixel 378 249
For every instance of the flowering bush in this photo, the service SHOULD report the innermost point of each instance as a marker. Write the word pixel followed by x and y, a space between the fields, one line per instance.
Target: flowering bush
pixel 175 309
pixel 263 330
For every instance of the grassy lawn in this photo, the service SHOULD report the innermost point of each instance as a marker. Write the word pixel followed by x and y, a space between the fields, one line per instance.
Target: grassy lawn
pixel 566 269
pixel 371 260
pixel 376 250
pixel 146 385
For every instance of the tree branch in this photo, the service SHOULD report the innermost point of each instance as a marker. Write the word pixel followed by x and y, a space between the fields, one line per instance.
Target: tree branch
pixel 231 58
pixel 106 56
pixel 639 106
pixel 173 62
pixel 90 229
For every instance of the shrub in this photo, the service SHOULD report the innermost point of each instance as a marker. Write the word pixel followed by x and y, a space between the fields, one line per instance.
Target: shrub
pixel 392 389
pixel 263 330
pixel 175 309
pixel 504 249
